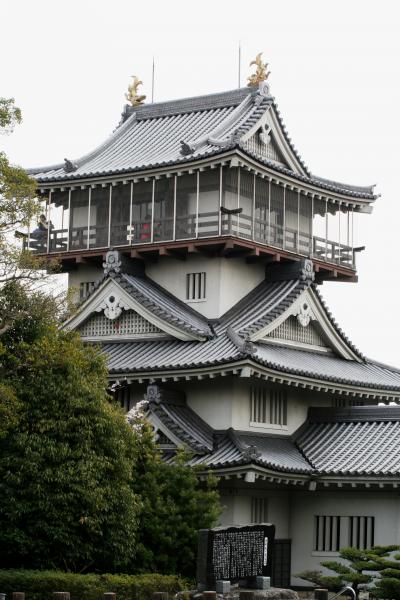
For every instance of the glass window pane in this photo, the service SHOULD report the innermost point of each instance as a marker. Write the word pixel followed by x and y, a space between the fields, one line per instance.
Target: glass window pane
pixel 59 217
pixel 164 209
pixel 305 246
pixel 99 217
pixel 186 193
pixel 291 219
pixel 319 229
pixel 208 220
pixel 261 232
pixel 79 219
pixel 276 215
pixel 141 212
pixel 246 204
pixel 120 212
pixel 230 200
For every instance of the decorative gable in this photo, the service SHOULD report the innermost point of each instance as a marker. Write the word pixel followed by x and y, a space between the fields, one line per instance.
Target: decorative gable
pixel 111 312
pixel 293 331
pixel 263 145
pixel 306 325
pixel 128 324
pixel 268 139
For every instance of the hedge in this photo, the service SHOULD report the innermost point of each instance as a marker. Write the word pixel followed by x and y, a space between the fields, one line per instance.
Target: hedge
pixel 39 585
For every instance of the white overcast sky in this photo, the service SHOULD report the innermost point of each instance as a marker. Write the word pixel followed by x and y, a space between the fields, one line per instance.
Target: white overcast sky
pixel 335 76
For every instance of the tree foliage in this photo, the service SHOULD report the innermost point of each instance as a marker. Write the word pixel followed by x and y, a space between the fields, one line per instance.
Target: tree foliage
pixel 176 504
pixel 80 488
pixel 67 455
pixel 362 567
pixel 19 206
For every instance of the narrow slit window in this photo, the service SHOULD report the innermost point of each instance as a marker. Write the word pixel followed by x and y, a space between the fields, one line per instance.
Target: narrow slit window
pixel 268 406
pixel 196 286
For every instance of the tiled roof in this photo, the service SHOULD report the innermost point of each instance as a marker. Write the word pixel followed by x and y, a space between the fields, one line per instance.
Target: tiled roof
pixel 158 301
pixel 172 133
pixel 238 448
pixel 163 304
pixel 182 421
pixel 262 305
pixel 327 367
pixel 152 134
pixel 226 341
pixel 168 354
pixel 359 441
pixel 356 441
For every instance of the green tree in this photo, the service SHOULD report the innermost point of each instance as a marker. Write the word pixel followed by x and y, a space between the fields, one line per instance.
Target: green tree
pixel 19 206
pixel 66 455
pixel 360 568
pixel 176 504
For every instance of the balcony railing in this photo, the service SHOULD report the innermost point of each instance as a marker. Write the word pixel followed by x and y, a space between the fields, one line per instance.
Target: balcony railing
pixel 191 227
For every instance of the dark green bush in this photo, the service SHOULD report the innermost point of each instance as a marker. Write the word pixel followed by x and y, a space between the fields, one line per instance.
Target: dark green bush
pixel 39 585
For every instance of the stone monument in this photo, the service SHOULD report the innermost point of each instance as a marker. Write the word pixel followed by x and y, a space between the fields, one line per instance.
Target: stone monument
pixel 241 554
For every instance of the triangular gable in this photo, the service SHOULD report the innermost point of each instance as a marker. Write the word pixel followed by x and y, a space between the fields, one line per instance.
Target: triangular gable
pixel 268 140
pixel 306 325
pixel 113 304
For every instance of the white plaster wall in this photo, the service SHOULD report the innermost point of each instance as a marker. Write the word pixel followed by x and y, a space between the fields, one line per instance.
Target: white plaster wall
pixel 225 402
pixel 83 273
pixel 384 506
pixel 237 508
pixel 212 401
pixel 228 280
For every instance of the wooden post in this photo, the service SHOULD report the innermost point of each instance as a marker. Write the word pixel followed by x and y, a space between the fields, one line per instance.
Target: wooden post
pixel 61 595
pixel 321 594
pixel 18 596
pixel 110 596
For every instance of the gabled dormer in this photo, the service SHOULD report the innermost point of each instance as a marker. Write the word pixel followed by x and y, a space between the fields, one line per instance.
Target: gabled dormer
pixel 128 306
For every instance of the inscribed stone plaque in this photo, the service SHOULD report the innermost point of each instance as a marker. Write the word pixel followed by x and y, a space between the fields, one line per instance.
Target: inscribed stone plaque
pixel 234 553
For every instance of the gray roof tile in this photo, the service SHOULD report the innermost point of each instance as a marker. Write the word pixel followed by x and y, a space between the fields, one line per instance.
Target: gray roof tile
pixel 150 136
pixel 368 446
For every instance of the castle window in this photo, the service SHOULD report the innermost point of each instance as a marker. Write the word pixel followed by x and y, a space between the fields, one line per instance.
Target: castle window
pixel 327 533
pixel 196 286
pixel 361 532
pixel 333 532
pixel 85 287
pixel 259 510
pixel 268 406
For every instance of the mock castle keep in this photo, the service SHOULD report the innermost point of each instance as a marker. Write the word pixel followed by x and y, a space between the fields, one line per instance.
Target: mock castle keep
pixel 198 240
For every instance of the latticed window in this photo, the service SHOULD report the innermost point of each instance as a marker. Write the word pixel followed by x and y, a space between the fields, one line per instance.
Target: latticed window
pixel 291 330
pixel 196 286
pixel 361 532
pixel 130 322
pixel 332 532
pixel 268 406
pixel 327 533
pixel 85 287
pixel 259 510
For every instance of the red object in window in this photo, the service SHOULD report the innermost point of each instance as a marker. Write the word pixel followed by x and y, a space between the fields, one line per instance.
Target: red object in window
pixel 145 232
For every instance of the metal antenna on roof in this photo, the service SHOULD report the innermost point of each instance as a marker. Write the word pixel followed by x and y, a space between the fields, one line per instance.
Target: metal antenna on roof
pixel 152 83
pixel 239 61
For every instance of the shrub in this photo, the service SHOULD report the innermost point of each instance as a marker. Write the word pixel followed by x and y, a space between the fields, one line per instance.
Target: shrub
pixel 39 585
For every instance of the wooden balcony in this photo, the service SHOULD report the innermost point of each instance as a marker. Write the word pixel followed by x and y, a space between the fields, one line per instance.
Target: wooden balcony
pixel 213 233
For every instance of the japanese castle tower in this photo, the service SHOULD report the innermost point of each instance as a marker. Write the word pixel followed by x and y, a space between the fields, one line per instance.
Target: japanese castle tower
pixel 198 240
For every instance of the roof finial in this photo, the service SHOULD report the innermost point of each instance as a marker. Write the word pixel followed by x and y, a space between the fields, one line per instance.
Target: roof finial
pixel 132 96
pixel 261 73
